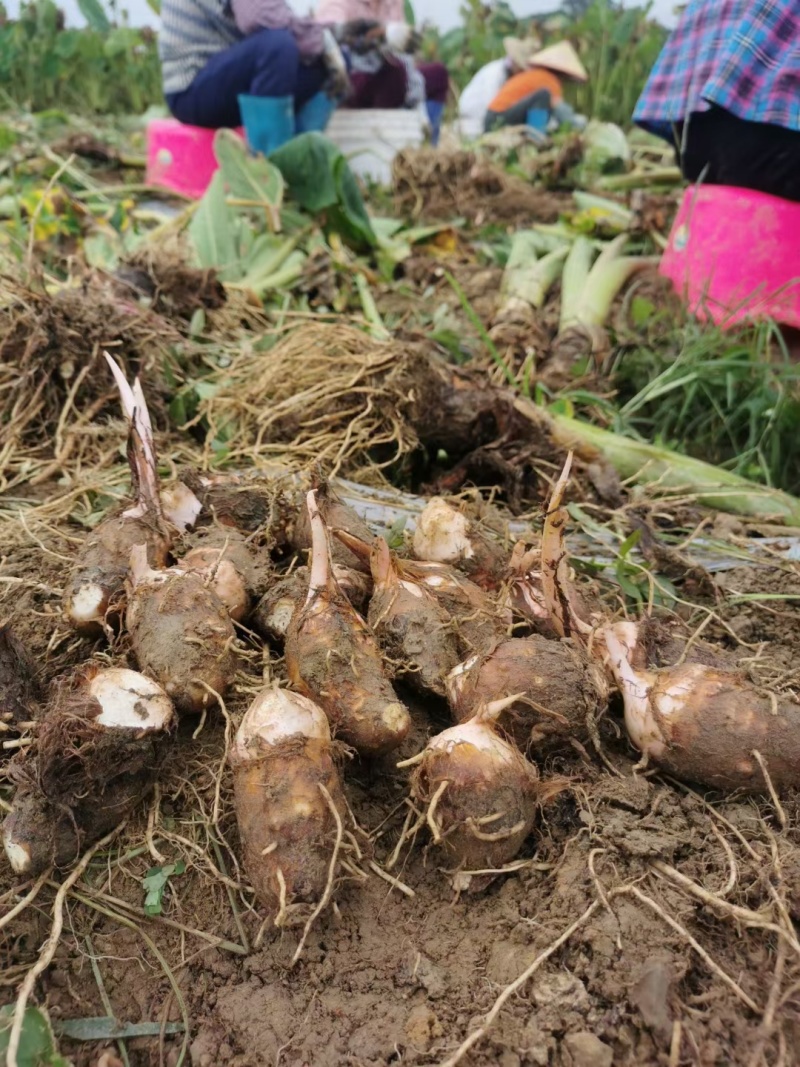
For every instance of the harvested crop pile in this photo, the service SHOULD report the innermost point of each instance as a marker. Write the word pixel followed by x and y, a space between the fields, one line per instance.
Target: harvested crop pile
pixel 619 894
pixel 434 184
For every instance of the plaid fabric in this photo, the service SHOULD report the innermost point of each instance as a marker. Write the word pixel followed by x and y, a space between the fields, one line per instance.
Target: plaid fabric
pixel 741 55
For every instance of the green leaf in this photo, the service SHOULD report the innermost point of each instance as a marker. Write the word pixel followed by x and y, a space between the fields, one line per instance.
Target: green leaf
pixel 320 180
pixel 105 1028
pixel 408 13
pixel 95 15
pixel 197 323
pixel 155 882
pixel 251 179
pixel 642 310
pixel 102 249
pixel 211 230
pixel 394 537
pixel 631 541
pixel 37 1047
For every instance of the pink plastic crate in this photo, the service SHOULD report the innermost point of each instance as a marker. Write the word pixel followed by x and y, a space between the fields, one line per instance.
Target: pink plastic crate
pixel 734 254
pixel 180 157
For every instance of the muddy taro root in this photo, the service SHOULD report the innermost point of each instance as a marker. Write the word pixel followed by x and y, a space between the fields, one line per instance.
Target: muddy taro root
pixel 333 658
pixel 96 757
pixel 337 516
pixel 181 633
pixel 287 795
pixel 413 629
pixel 705 724
pixel 560 689
pixel 274 611
pixel 480 794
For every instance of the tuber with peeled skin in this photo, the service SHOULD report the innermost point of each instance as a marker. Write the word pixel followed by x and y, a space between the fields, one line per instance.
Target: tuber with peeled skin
pixel 479 794
pixel 96 585
pixel 289 802
pixel 443 534
pixel 96 757
pixel 333 658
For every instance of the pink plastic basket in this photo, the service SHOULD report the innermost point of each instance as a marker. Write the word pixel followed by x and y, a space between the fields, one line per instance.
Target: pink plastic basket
pixel 180 157
pixel 734 254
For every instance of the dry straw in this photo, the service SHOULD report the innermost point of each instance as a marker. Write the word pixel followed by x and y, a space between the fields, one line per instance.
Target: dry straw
pixel 323 394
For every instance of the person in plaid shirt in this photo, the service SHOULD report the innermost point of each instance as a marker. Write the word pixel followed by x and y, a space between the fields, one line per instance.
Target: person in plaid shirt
pixel 726 91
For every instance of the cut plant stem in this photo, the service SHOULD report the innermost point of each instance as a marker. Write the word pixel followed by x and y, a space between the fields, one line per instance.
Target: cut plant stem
pixel 370 309
pixel 573 280
pixel 647 464
pixel 610 272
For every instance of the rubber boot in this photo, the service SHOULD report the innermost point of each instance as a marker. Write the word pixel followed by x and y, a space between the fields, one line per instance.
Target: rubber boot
pixel 435 109
pixel 315 114
pixel 537 118
pixel 268 121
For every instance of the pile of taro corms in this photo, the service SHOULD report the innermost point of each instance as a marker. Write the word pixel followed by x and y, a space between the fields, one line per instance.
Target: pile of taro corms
pixel 526 668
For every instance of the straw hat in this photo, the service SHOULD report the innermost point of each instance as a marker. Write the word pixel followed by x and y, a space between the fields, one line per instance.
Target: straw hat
pixel 561 58
pixel 521 50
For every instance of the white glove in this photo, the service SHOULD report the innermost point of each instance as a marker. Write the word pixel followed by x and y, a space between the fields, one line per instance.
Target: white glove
pixel 401 37
pixel 338 80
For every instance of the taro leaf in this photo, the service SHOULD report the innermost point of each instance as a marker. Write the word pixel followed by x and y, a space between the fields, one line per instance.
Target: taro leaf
pixel 214 230
pixel 251 180
pixel 37 1047
pixel 320 181
pixel 94 13
pixel 155 882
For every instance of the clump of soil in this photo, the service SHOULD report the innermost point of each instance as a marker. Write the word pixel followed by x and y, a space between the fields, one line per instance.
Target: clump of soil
pixel 173 287
pixel 437 184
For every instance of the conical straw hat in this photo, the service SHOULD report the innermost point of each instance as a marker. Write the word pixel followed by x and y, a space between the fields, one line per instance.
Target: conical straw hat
pixel 521 50
pixel 561 58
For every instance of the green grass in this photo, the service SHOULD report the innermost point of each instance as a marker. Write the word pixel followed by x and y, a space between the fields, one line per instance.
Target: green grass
pixel 732 399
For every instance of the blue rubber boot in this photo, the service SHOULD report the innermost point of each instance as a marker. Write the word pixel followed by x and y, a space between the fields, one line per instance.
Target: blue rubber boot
pixel 537 118
pixel 435 111
pixel 315 114
pixel 268 121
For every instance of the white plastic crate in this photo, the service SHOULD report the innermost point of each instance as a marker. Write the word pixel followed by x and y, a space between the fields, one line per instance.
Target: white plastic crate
pixel 371 138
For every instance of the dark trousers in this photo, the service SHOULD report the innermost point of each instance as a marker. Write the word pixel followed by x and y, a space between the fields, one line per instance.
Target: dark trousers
pixel 386 88
pixel 725 150
pixel 517 114
pixel 266 63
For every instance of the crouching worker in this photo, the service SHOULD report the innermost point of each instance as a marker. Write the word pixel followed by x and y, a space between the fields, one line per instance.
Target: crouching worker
pixel 486 83
pixel 252 63
pixel 384 72
pixel 725 91
pixel 535 96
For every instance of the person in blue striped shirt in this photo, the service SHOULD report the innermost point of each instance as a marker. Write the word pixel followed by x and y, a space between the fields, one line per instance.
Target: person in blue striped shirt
pixel 253 63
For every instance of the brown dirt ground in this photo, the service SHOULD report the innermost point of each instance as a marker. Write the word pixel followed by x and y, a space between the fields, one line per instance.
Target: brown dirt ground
pixel 387 978
pixel 652 977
